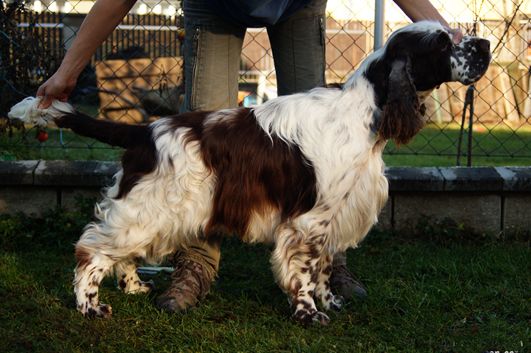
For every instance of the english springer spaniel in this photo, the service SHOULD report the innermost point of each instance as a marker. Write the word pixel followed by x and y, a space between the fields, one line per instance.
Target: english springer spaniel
pixel 304 172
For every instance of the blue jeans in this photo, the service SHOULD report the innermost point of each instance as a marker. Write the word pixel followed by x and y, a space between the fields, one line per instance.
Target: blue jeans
pixel 213 47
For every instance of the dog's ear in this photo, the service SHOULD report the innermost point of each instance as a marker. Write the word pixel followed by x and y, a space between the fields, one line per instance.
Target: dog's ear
pixel 401 118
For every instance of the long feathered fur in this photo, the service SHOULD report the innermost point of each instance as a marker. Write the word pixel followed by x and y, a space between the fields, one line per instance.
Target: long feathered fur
pixel 304 172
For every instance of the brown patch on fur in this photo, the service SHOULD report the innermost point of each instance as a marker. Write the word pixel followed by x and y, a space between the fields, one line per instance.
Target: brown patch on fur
pixel 254 173
pixel 82 257
pixel 314 277
pixel 401 118
pixel 313 251
pixel 191 120
pixel 324 223
pixel 327 270
pixel 136 163
pixel 295 286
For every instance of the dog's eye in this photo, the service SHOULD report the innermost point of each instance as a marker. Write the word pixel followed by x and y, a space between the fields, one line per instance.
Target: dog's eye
pixel 443 41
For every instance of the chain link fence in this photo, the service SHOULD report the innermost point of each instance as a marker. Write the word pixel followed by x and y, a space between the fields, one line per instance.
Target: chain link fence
pixel 136 75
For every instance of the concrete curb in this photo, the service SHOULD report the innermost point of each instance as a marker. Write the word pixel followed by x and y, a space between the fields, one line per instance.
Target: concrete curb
pixel 489 199
pixel 402 179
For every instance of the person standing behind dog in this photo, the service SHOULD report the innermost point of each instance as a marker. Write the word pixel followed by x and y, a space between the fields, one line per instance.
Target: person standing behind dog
pixel 214 32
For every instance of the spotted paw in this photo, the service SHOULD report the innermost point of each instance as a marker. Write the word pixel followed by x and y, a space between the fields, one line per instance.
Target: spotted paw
pixel 136 286
pixel 144 287
pixel 102 310
pixel 307 317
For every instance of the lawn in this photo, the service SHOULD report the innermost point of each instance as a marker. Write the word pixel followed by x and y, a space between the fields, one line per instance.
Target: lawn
pixel 435 145
pixel 447 292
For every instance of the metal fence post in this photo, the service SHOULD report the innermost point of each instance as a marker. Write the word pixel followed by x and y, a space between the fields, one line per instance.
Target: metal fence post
pixel 379 23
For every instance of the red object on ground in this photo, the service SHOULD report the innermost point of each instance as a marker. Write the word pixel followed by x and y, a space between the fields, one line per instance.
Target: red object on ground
pixel 42 136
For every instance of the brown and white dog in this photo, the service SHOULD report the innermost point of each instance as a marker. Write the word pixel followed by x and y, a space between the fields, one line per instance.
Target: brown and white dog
pixel 304 172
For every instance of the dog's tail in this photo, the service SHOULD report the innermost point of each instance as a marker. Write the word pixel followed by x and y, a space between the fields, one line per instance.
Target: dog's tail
pixel 112 133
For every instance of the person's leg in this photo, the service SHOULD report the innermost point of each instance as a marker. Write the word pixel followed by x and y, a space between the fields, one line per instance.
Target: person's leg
pixel 212 60
pixel 298 45
pixel 195 270
pixel 212 50
pixel 342 281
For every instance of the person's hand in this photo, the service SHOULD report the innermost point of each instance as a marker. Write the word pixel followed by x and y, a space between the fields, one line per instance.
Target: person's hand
pixel 457 34
pixel 56 87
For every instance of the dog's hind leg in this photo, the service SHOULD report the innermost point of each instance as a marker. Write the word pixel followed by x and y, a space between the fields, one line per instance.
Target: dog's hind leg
pixel 322 289
pixel 128 279
pixel 296 262
pixel 92 266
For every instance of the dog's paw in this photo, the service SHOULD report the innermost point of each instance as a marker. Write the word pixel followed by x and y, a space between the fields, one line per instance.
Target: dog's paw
pixel 306 317
pixel 147 286
pixel 102 310
pixel 139 287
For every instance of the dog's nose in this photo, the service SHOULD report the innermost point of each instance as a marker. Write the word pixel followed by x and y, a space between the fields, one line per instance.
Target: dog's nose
pixel 484 45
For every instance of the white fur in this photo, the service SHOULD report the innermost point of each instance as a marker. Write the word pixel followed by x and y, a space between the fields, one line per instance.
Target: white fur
pixel 332 129
pixel 28 111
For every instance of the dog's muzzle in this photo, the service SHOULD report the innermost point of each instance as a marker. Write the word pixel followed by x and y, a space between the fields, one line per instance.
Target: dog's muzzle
pixel 470 59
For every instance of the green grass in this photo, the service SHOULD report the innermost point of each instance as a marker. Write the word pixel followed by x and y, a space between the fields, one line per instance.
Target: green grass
pixel 442 293
pixel 435 145
pixel 24 146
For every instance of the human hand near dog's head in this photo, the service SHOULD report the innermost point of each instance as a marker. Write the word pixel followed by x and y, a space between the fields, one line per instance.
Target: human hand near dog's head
pixel 456 33
pixel 57 87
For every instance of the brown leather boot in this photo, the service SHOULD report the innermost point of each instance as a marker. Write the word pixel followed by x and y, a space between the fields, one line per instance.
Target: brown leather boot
pixel 344 283
pixel 190 282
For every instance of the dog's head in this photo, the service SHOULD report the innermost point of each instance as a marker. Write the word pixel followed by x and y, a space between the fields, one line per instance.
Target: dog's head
pixel 416 59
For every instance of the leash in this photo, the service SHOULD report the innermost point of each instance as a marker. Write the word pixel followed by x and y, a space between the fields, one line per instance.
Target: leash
pixel 469 102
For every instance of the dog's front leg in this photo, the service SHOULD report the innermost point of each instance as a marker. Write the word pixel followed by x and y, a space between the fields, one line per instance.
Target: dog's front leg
pixel 322 290
pixel 296 261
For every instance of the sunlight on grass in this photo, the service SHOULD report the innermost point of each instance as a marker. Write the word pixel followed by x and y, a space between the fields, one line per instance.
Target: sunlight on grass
pixel 429 290
pixel 435 145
